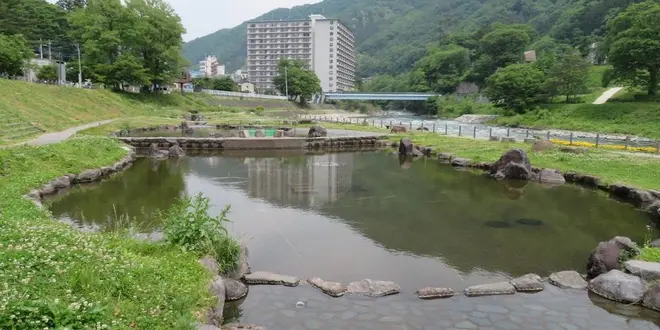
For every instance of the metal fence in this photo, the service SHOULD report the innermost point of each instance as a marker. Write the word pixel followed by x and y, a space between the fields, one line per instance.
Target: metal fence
pixel 476 131
pixel 239 94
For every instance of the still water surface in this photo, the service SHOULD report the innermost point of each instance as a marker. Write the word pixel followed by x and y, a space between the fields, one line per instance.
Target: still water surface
pixel 349 216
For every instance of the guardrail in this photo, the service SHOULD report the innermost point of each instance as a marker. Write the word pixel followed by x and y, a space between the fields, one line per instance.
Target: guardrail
pixel 240 94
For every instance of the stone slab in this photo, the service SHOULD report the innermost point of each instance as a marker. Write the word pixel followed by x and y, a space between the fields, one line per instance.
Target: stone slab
pixel 435 293
pixel 528 283
pixel 372 288
pixel 333 289
pixel 618 286
pixel 500 288
pixel 271 279
pixel 568 279
pixel 648 271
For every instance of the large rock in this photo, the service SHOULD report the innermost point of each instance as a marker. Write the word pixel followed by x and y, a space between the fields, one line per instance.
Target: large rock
pixel 528 283
pixel 618 286
pixel 406 147
pixel 317 131
pixel 271 278
pixel 88 176
pixel 61 182
pixel 333 289
pixel 234 290
pixel 175 151
pixel 435 293
pixel 568 279
pixel 607 255
pixel 582 179
pixel 638 197
pixel 461 162
pixel 500 288
pixel 371 288
pixel 550 176
pixel 648 271
pixel 210 264
pixel 155 152
pixel 652 297
pixel 514 164
pixel 243 265
pixel 398 129
pixel 217 289
pixel 542 145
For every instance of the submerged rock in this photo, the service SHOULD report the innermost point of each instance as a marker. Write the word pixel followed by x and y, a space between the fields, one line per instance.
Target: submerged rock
pixel 618 286
pixel 333 289
pixel 529 222
pixel 514 164
pixel 500 288
pixel 528 283
pixel 317 131
pixel 607 255
pixel 234 290
pixel 648 271
pixel 435 293
pixel 371 288
pixel 271 278
pixel 498 224
pixel 568 279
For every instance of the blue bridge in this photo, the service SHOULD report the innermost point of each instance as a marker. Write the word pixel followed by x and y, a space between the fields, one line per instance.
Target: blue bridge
pixel 379 96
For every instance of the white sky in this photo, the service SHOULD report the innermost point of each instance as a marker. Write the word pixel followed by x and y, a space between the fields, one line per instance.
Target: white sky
pixel 202 17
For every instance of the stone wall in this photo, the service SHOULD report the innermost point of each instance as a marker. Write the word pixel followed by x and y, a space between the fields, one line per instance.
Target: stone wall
pixel 303 143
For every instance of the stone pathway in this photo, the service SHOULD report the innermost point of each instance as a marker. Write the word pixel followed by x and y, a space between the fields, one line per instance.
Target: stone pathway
pixel 607 95
pixel 56 137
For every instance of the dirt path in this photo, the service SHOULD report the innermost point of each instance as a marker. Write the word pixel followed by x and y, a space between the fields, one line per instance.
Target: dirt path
pixel 55 137
pixel 607 95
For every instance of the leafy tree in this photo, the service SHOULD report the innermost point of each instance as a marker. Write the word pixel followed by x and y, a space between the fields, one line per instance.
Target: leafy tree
pixel 445 67
pixel 634 45
pixel 504 45
pixel 296 79
pixel 47 73
pixel 14 55
pixel 225 84
pixel 570 75
pixel 515 86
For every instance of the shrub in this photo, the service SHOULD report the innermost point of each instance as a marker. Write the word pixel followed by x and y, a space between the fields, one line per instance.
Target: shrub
pixel 259 111
pixel 188 226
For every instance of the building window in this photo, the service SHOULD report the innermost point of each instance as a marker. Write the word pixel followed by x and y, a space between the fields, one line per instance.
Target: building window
pixel 331 73
pixel 330 61
pixel 330 78
pixel 331 67
pixel 332 33
pixel 331 55
pixel 332 27
pixel 332 39
pixel 330 85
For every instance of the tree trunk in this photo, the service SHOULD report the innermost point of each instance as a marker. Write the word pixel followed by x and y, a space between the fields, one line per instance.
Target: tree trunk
pixel 653 81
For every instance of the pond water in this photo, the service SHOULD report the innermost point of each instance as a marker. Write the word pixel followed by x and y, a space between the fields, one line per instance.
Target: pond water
pixel 349 216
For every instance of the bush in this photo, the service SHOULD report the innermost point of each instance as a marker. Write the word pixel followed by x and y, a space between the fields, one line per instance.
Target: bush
pixel 259 111
pixel 188 225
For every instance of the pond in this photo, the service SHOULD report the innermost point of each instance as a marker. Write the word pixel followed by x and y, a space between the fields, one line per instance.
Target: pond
pixel 348 216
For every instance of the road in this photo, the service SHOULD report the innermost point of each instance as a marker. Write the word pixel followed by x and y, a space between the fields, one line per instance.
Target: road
pixel 607 95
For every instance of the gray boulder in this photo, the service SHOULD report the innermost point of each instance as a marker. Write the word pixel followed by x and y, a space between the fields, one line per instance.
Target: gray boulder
pixel 528 283
pixel 648 271
pixel 514 164
pixel 550 176
pixel 88 176
pixel 243 265
pixel 406 147
pixel 652 297
pixel 234 290
pixel 175 151
pixel 371 288
pixel 638 197
pixel 435 293
pixel 317 131
pixel 155 152
pixel 607 255
pixel 333 289
pixel 461 162
pixel 61 182
pixel 568 279
pixel 500 288
pixel 217 289
pixel 618 286
pixel 271 278
pixel 210 264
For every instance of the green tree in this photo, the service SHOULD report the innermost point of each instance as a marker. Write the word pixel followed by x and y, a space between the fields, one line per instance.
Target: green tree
pixel 296 79
pixel 570 75
pixel 634 45
pixel 47 73
pixel 504 45
pixel 14 55
pixel 225 84
pixel 445 67
pixel 515 86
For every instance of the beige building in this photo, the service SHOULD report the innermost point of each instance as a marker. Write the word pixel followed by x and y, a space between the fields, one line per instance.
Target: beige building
pixel 211 67
pixel 246 87
pixel 326 45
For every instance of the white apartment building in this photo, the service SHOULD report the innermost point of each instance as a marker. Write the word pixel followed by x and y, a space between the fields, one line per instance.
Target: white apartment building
pixel 210 67
pixel 326 45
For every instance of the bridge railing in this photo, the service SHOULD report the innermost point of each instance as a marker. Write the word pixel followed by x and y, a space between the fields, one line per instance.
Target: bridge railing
pixel 240 94
pixel 505 134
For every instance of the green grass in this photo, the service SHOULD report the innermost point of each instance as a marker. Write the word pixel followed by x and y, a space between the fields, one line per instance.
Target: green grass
pixel 56 277
pixel 595 75
pixel 611 167
pixel 649 253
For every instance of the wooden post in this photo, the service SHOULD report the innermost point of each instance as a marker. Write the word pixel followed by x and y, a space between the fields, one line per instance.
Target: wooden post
pixel 548 136
pixel 433 127
pixel 597 140
pixel 445 128
pixel 490 133
pixel 474 132
pixel 411 125
pixel 627 141
pixel 460 128
pixel 570 141
pixel 508 131
pixel 526 133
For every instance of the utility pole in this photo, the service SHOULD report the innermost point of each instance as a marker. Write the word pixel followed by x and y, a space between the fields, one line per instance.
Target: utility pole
pixel 50 55
pixel 79 67
pixel 41 49
pixel 286 82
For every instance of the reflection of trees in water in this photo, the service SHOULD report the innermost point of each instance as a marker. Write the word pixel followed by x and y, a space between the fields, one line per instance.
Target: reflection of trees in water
pixel 627 311
pixel 434 210
pixel 233 312
pixel 132 196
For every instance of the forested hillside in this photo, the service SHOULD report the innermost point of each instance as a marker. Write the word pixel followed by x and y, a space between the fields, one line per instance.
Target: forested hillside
pixel 392 35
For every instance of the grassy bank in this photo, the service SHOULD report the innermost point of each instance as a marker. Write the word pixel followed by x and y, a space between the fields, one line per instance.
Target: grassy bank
pixel 612 167
pixel 56 277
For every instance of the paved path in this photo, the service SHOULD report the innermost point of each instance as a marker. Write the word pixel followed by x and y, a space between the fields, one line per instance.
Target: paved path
pixel 55 137
pixel 607 95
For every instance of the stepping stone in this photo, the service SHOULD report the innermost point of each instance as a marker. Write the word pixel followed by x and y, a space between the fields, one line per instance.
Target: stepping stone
pixel 568 279
pixel 234 290
pixel 648 271
pixel 271 278
pixel 618 286
pixel 492 289
pixel 333 289
pixel 435 293
pixel 528 283
pixel 374 289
